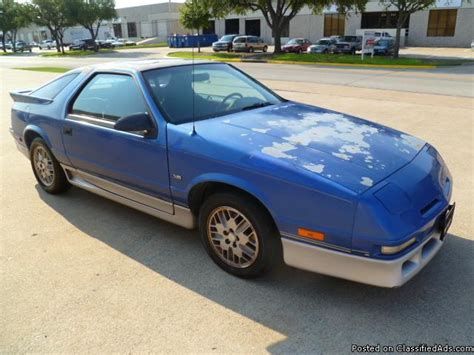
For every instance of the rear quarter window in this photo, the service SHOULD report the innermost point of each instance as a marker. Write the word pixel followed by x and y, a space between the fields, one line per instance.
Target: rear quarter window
pixel 52 89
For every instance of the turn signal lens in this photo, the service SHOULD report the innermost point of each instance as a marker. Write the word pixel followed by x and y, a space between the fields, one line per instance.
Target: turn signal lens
pixel 398 248
pixel 310 234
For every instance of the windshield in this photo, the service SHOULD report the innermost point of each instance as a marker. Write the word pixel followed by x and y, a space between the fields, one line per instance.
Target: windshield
pixel 227 38
pixel 217 90
pixel 295 41
pixel 323 41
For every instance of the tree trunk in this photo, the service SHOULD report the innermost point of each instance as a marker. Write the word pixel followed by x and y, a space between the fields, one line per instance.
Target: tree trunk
pixel 93 36
pixel 3 41
pixel 199 42
pixel 13 40
pixel 276 31
pixel 396 45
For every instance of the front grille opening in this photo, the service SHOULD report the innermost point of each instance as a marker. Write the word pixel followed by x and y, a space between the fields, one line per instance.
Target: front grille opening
pixel 429 206
pixel 428 248
pixel 408 266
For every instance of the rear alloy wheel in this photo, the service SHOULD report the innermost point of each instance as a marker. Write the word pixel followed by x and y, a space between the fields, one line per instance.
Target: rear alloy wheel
pixel 251 50
pixel 46 168
pixel 238 234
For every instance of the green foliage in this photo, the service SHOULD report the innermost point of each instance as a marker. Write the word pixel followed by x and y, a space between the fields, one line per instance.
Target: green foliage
pixel 91 13
pixel 46 69
pixel 53 14
pixel 13 16
pixel 195 14
pixel 322 59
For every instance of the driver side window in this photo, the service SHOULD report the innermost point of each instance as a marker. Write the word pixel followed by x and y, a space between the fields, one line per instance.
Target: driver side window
pixel 109 97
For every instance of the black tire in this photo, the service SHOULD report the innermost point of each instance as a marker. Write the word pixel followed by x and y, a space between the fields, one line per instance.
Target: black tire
pixel 269 244
pixel 353 51
pixel 59 182
pixel 265 49
pixel 251 50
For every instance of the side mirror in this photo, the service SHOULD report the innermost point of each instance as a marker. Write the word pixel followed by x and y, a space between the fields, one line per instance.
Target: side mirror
pixel 137 122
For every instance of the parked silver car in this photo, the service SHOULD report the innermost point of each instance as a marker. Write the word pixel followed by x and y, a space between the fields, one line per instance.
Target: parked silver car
pixel 249 44
pixel 324 45
pixel 47 44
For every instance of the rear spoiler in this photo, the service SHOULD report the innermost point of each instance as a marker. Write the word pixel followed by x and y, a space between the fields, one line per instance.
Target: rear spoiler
pixel 25 97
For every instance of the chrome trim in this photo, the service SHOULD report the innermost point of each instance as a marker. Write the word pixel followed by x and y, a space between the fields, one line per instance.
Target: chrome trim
pixel 377 272
pixel 315 242
pixel 148 204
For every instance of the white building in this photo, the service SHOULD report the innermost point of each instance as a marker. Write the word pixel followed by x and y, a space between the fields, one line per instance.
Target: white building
pixel 449 23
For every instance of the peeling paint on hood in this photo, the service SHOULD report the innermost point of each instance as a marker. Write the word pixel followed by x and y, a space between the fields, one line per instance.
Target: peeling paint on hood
pixel 350 151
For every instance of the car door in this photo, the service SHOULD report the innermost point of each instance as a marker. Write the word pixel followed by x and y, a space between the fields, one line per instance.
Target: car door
pixel 130 164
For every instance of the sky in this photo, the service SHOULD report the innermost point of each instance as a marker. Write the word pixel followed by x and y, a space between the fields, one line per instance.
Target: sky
pixel 128 3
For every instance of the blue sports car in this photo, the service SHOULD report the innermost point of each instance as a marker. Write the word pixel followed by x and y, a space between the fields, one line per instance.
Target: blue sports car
pixel 263 178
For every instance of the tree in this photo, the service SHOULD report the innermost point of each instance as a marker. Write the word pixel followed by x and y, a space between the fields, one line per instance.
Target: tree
pixel 278 13
pixel 13 16
pixel 91 13
pixel 404 9
pixel 195 15
pixel 54 14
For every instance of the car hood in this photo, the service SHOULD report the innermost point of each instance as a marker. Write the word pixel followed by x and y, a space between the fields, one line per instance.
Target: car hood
pixel 222 42
pixel 352 152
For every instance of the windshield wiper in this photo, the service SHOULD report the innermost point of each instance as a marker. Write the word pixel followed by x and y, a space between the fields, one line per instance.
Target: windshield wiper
pixel 256 105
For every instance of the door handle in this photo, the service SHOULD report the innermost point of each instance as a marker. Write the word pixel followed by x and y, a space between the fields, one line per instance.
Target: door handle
pixel 67 130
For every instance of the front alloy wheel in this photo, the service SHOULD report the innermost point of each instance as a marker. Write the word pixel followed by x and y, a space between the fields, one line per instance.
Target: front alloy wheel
pixel 238 234
pixel 232 237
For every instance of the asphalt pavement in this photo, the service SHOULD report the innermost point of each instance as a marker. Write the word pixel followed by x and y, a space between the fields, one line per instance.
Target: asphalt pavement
pixel 80 273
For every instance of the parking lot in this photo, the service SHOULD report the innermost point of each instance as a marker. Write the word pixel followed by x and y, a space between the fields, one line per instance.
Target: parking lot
pixel 80 273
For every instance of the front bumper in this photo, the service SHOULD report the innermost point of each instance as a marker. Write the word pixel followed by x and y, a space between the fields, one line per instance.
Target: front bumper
pixel 376 272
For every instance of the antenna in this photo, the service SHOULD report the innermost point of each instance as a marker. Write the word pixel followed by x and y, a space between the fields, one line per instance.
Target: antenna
pixel 192 71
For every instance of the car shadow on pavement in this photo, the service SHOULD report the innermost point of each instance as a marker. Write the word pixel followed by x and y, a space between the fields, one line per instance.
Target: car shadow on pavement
pixel 315 313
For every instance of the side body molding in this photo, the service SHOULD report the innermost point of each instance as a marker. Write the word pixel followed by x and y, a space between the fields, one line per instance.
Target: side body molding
pixel 145 203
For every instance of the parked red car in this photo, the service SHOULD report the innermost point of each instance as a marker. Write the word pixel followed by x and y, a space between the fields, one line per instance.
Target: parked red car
pixel 296 45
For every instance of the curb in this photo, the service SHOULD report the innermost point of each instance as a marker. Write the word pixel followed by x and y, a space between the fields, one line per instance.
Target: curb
pixel 385 66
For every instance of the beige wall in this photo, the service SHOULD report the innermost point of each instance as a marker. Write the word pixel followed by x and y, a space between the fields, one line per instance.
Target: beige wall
pixel 463 35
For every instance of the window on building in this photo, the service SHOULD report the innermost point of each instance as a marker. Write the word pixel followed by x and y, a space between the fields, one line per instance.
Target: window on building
pixel 210 28
pixel 132 29
pixel 285 31
pixel 334 25
pixel 252 28
pixel 117 30
pixel 386 19
pixel 442 23
pixel 232 26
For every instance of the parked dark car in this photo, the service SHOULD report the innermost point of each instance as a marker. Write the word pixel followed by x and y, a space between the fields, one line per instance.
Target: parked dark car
pixel 348 45
pixel 224 43
pixel 296 45
pixel 83 44
pixel 249 44
pixel 383 46
pixel 104 44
